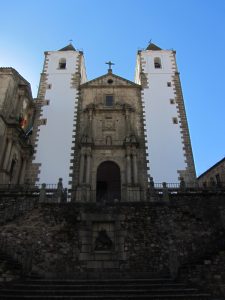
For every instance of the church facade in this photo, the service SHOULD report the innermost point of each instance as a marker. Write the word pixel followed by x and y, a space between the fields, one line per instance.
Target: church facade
pixel 109 135
pixel 98 136
pixel 110 155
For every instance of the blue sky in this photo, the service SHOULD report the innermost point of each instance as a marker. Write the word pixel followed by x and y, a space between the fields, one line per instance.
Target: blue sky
pixel 115 30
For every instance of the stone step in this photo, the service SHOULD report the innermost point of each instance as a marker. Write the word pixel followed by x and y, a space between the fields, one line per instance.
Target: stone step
pixel 98 286
pixel 99 281
pixel 93 292
pixel 107 274
pixel 108 297
pixel 115 289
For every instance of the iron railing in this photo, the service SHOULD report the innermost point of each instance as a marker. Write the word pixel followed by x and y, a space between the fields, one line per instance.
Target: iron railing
pixel 24 187
pixel 55 193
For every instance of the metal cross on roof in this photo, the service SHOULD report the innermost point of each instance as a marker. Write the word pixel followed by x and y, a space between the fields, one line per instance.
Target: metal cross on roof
pixel 110 65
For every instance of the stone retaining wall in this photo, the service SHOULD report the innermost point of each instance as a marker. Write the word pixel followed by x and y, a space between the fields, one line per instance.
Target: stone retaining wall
pixel 155 238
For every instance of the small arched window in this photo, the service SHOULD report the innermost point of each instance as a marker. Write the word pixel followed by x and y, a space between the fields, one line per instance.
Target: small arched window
pixel 157 63
pixel 62 63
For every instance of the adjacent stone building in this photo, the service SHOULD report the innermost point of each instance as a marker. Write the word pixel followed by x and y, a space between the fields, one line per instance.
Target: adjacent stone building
pixel 16 120
pixel 214 176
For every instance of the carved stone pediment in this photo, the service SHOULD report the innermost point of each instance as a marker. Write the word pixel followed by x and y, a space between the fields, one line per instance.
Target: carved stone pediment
pixel 109 80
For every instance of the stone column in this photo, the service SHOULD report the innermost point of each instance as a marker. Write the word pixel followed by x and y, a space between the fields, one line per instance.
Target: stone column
pixel 127 116
pixel 90 116
pixel 90 123
pixel 128 169
pixel 88 168
pixel 7 154
pixel 3 150
pixel 135 175
pixel 81 175
pixel 16 175
pixel 22 173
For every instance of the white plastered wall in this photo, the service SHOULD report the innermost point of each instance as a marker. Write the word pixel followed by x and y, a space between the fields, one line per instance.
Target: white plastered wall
pixel 55 138
pixel 164 138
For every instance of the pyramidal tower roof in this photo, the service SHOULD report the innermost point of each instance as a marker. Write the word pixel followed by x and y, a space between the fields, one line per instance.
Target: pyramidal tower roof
pixel 153 47
pixel 69 47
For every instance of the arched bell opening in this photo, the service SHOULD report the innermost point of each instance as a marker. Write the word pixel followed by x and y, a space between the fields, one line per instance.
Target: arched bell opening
pixel 108 183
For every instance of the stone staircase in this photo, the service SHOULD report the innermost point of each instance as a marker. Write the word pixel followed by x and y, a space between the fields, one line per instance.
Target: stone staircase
pixel 116 289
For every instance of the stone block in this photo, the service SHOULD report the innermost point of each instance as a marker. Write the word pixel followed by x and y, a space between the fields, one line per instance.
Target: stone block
pixel 113 264
pixel 85 248
pixel 102 256
pixel 84 256
pixel 94 264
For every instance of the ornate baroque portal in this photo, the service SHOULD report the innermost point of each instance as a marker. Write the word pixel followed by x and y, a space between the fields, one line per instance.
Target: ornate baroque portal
pixel 110 155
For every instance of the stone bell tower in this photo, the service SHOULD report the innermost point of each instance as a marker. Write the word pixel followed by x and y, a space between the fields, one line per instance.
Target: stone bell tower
pixel 109 156
pixel 55 106
pixel 168 139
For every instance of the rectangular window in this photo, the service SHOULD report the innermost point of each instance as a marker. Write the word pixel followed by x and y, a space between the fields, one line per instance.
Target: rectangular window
pixel 109 100
pixel 49 86
pixel 172 101
pixel 42 121
pixel 168 84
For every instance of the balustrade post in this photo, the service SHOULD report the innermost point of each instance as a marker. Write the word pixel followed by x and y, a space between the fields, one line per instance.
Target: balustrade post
pixel 182 184
pixel 165 192
pixel 42 194
pixel 59 191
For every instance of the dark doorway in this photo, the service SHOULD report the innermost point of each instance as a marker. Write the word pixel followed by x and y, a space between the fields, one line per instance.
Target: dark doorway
pixel 108 182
